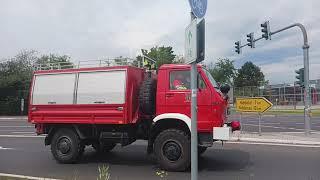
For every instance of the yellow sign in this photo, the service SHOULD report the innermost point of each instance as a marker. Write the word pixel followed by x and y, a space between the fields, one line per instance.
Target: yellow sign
pixel 254 104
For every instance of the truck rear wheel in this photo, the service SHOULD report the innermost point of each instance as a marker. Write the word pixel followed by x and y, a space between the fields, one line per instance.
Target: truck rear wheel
pixel 172 149
pixel 66 146
pixel 147 96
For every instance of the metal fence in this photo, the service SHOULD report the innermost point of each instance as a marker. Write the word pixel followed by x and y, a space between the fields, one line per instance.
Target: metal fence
pixel 285 96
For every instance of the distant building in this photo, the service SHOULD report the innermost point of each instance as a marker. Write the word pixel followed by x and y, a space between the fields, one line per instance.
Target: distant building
pixel 290 94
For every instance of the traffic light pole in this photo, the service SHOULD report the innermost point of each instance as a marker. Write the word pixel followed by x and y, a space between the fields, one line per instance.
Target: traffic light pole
pixel 307 97
pixel 305 47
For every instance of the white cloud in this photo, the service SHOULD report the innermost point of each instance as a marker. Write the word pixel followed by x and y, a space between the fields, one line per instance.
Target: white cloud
pixel 95 29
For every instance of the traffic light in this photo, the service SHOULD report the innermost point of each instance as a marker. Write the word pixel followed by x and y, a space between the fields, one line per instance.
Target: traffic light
pixel 300 77
pixel 266 30
pixel 250 39
pixel 238 48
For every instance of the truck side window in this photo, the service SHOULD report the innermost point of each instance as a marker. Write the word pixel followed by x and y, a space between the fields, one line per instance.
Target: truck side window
pixel 201 83
pixel 179 80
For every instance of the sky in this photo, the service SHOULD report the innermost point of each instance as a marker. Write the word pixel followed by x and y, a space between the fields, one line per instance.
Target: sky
pixel 95 29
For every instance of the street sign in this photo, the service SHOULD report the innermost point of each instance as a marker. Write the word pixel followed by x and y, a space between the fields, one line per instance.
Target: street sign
pixel 190 45
pixel 254 104
pixel 200 41
pixel 198 7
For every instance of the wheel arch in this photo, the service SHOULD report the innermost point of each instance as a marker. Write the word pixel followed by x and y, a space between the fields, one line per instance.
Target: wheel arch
pixel 168 121
pixel 52 129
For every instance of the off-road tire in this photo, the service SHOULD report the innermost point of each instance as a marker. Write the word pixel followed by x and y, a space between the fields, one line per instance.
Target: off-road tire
pixel 147 96
pixel 173 136
pixel 73 146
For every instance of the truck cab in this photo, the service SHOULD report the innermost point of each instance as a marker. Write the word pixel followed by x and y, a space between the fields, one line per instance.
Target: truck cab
pixel 174 99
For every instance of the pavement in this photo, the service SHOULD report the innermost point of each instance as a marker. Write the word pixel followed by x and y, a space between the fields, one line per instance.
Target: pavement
pixel 297 138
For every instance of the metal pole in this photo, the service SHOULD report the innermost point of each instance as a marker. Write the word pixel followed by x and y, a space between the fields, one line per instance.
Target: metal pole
pixel 242 126
pixel 194 135
pixel 295 98
pixel 22 106
pixel 307 105
pixel 307 100
pixel 259 124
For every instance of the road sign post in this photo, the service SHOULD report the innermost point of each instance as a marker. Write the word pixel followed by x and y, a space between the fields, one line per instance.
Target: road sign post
pixel 193 55
pixel 254 104
pixel 194 118
pixel 260 116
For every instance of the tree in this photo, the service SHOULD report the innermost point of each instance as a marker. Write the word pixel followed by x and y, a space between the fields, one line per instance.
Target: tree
pixel 121 61
pixel 179 59
pixel 16 72
pixel 15 78
pixel 54 61
pixel 249 75
pixel 162 55
pixel 223 71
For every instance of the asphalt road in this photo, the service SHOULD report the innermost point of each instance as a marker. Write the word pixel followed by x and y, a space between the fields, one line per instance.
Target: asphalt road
pixel 29 157
pixel 25 154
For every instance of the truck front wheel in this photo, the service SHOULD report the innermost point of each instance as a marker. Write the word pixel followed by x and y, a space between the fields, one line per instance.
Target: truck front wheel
pixel 66 146
pixel 172 149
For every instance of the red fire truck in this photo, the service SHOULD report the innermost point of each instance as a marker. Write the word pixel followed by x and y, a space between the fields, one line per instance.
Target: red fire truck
pixel 105 106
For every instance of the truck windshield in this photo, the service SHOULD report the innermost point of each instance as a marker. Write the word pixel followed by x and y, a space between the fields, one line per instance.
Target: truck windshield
pixel 213 82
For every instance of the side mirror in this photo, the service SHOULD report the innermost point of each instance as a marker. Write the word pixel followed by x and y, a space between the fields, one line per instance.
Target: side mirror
pixel 225 88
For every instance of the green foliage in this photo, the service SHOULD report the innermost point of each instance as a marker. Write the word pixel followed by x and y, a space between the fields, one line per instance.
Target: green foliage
pixel 162 55
pixel 17 71
pixel 16 75
pixel 15 78
pixel 137 62
pixel 104 173
pixel 223 71
pixel 53 61
pixel 249 75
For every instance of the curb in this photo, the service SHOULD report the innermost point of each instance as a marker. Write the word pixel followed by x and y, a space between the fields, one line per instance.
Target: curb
pixel 278 141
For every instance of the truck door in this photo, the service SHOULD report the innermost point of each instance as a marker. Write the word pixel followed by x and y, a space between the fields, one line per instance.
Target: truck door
pixel 178 97
pixel 178 94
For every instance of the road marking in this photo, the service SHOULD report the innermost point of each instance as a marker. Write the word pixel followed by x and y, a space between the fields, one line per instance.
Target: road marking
pixel 275 127
pixel 273 144
pixel 23 132
pixel 265 126
pixel 8 118
pixel 25 177
pixel 3 148
pixel 17 126
pixel 270 123
pixel 23 121
pixel 22 136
